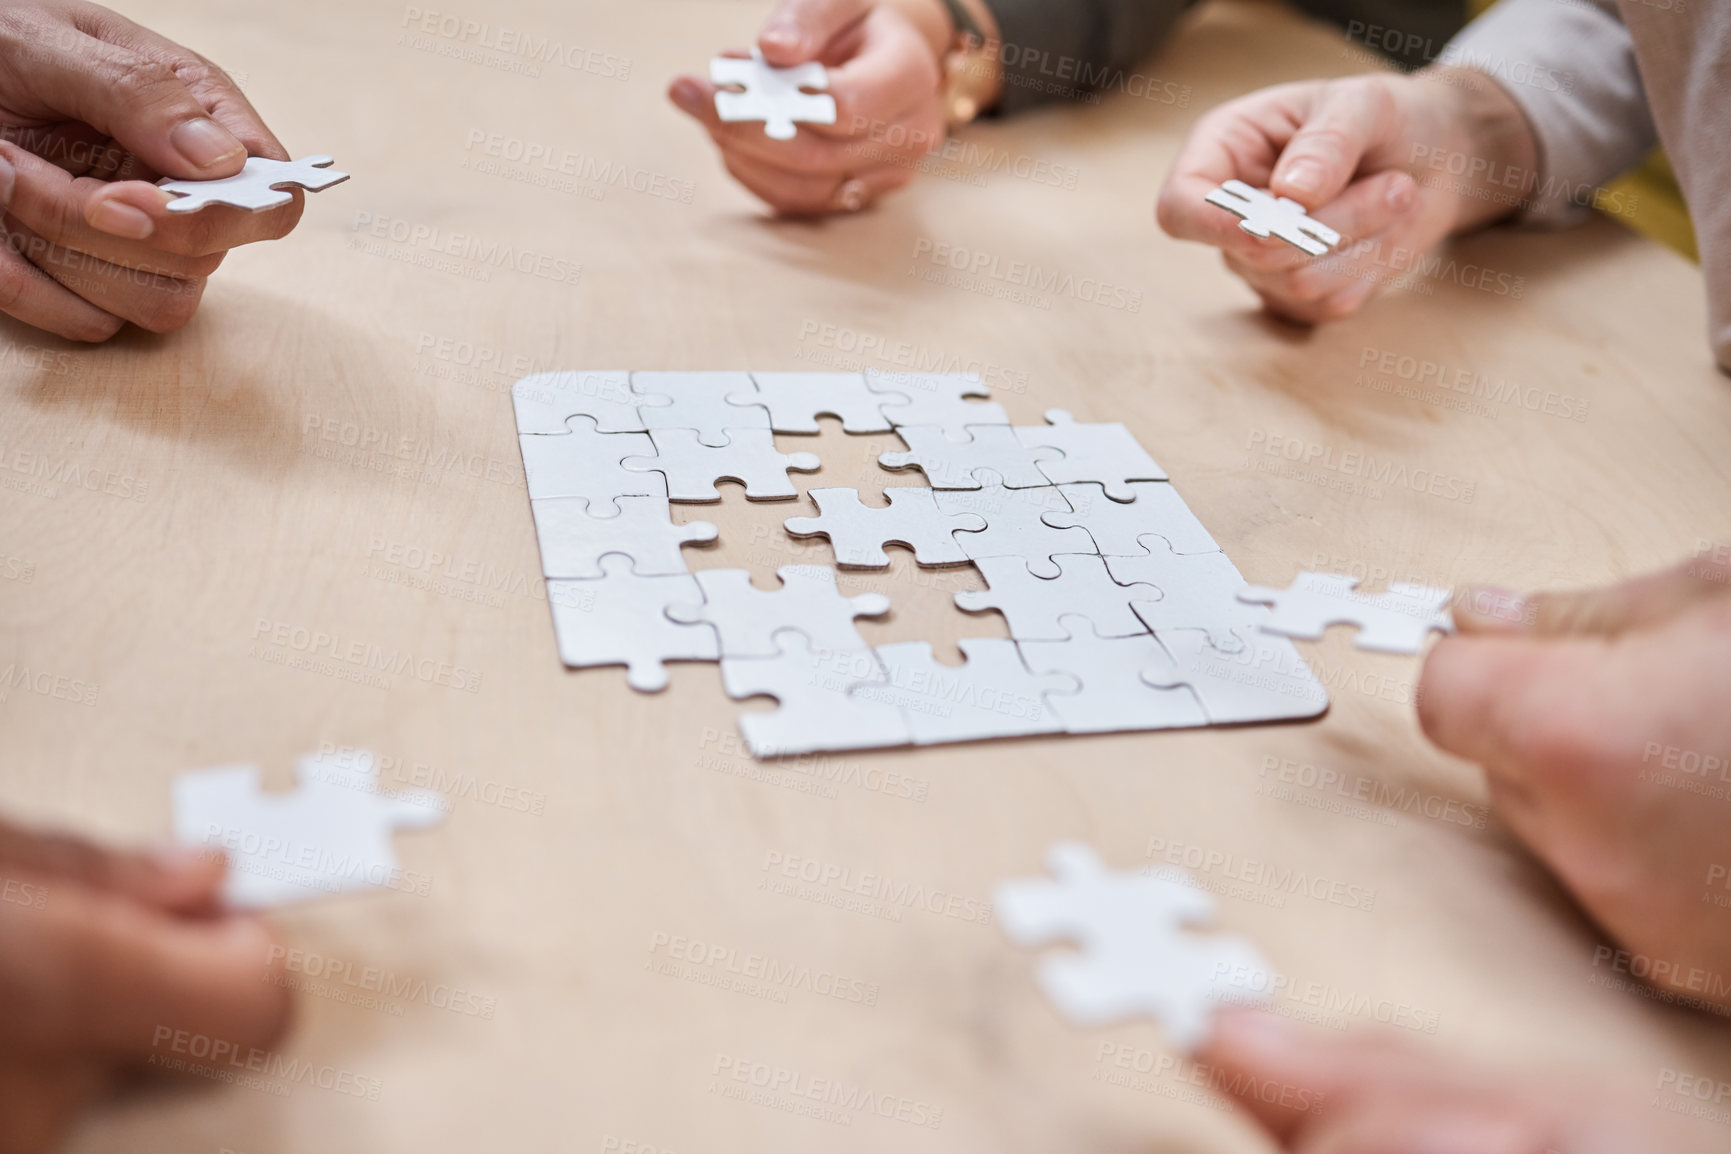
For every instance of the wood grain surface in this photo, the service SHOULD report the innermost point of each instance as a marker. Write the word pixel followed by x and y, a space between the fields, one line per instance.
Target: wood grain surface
pixel 612 924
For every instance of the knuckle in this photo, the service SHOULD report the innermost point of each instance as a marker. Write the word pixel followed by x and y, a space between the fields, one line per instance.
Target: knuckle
pixel 140 80
pixel 170 304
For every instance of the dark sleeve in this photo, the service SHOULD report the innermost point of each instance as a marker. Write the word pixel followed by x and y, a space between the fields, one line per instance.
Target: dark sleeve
pixel 1071 49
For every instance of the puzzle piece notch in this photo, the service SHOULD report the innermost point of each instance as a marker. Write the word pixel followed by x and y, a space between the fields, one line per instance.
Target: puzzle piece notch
pixel 582 462
pixel 816 710
pixel 331 835
pixel 993 694
pixel 620 618
pixel 1014 524
pixel 1135 957
pixel 775 96
pixel 1127 528
pixel 714 404
pixel 573 542
pixel 858 532
pixel 1106 454
pixel 1112 697
pixel 1264 679
pixel 747 619
pixel 796 400
pixel 259 186
pixel 1397 621
pixel 1266 215
pixel 750 457
pixel 1033 605
pixel 935 399
pixel 546 402
pixel 952 464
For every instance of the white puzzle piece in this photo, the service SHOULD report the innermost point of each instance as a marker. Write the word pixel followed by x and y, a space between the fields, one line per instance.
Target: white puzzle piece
pixel 545 402
pixel 1106 454
pixel 747 618
pixel 750 457
pixel 1397 621
pixel 1136 957
pixel 332 835
pixel 816 712
pixel 1264 679
pixel 935 399
pixel 1014 524
pixel 1032 605
pixel 1197 591
pixel 1113 697
pixel 858 533
pixel 620 618
pixel 261 184
pixel 699 401
pixel 772 95
pixel 991 695
pixel 1266 215
pixel 796 400
pixel 952 464
pixel 573 542
pixel 585 463
pixel 1118 527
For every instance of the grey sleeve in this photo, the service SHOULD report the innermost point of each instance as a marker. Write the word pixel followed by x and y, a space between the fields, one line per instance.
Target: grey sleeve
pixel 1570 65
pixel 1070 49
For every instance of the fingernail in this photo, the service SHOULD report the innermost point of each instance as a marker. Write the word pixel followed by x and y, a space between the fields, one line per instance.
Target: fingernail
pixel 117 219
pixel 1302 176
pixel 686 94
pixel 1251 1032
pixel 1402 192
pixel 783 36
pixel 1494 606
pixel 8 177
pixel 204 143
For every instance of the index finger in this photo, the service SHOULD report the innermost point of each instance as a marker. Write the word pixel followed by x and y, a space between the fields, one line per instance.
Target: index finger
pixel 799 31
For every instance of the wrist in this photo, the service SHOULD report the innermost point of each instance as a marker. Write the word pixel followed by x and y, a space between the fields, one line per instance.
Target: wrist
pixel 1489 154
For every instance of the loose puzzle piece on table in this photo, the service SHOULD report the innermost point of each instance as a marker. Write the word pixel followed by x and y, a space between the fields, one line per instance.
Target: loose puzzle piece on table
pixel 573 542
pixel 545 402
pixel 332 835
pixel 1397 621
pixel 858 533
pixel 261 184
pixel 620 618
pixel 1264 679
pixel 585 463
pixel 1197 591
pixel 1135 957
pixel 1113 697
pixel 935 399
pixel 992 695
pixel 772 95
pixel 816 712
pixel 1106 454
pixel 951 464
pixel 1014 527
pixel 1032 605
pixel 747 619
pixel 750 457
pixel 699 401
pixel 1118 527
pixel 796 400
pixel 1267 215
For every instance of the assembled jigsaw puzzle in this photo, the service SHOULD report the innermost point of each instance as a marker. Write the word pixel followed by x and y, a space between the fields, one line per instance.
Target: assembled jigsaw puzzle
pixel 1123 612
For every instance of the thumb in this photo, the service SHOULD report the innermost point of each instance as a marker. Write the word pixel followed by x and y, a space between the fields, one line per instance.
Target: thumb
pixel 1323 155
pixel 799 30
pixel 1606 612
pixel 140 102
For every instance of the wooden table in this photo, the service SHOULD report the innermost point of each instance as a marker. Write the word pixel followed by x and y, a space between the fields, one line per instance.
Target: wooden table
pixel 610 948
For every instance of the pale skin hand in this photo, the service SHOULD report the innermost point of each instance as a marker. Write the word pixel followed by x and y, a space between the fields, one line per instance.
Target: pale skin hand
pixel 93 110
pixel 1380 1094
pixel 1569 701
pixel 1351 152
pixel 99 949
pixel 886 75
